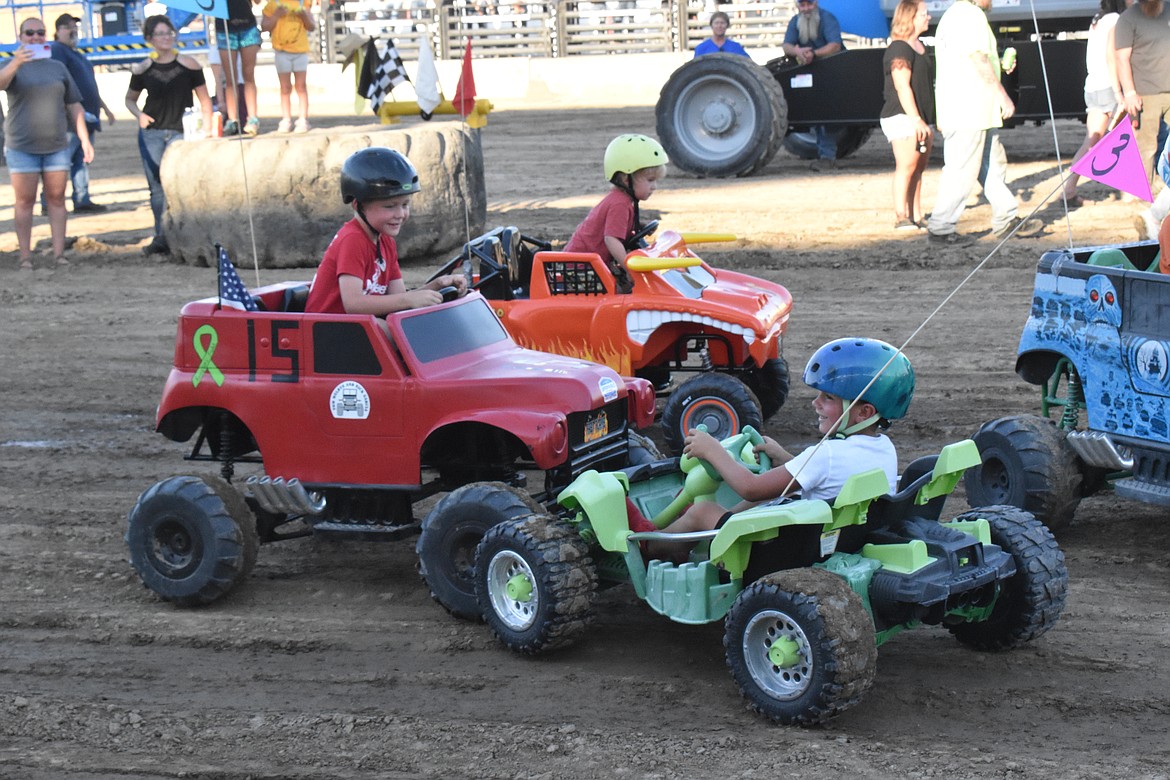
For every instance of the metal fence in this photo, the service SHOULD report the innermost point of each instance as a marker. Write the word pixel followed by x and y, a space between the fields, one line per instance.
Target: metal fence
pixel 549 29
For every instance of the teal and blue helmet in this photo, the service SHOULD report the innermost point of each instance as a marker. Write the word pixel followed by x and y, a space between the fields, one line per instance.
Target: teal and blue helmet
pixel 844 367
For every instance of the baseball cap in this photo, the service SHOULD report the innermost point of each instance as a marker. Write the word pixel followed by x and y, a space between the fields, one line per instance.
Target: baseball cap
pixel 65 19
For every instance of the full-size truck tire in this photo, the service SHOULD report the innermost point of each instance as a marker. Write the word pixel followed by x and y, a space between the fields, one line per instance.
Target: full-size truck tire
pixel 721 115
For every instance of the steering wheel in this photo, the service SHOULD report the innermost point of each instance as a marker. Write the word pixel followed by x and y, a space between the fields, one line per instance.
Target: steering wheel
pixel 636 241
pixel 703 480
pixel 449 293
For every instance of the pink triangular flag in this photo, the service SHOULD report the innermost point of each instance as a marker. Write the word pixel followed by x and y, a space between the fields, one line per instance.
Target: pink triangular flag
pixel 1116 161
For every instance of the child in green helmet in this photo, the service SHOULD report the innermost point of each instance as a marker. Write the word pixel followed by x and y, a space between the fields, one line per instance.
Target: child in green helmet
pixel 633 165
pixel 841 371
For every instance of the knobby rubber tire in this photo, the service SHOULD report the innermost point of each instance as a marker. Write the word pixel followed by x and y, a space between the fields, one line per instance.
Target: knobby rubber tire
pixel 1031 601
pixel 1028 464
pixel 191 540
pixel 556 563
pixel 721 402
pixel 770 382
pixel 451 532
pixel 838 649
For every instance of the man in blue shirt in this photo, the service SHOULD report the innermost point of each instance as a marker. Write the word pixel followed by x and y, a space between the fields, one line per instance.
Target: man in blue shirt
pixel 64 49
pixel 719 43
pixel 815 33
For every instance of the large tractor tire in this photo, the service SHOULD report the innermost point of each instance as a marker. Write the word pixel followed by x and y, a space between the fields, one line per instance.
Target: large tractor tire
pixel 1031 601
pixel 800 645
pixel 1027 464
pixel 721 115
pixel 191 540
pixel 452 531
pixel 720 402
pixel 849 140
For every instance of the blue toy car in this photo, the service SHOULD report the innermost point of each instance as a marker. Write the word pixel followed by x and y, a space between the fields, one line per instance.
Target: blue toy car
pixel 1097 342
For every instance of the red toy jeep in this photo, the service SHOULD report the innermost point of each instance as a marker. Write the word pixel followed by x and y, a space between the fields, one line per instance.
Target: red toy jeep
pixel 350 419
pixel 720 332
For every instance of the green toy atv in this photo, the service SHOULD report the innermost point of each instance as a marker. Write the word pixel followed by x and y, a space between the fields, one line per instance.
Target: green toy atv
pixel 808 590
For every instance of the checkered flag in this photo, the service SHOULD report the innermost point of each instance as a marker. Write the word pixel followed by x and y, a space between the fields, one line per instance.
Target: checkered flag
pixel 383 72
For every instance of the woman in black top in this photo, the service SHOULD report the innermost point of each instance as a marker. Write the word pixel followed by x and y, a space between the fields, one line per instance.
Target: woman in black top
pixel 908 112
pixel 168 80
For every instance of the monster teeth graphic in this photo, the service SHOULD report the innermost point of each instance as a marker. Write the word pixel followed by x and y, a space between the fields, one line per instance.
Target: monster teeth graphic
pixel 640 325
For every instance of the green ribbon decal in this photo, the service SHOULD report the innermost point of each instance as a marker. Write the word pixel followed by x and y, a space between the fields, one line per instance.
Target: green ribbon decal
pixel 205 353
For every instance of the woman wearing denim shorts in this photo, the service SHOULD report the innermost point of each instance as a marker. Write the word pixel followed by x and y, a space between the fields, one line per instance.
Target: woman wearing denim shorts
pixel 239 33
pixel 43 105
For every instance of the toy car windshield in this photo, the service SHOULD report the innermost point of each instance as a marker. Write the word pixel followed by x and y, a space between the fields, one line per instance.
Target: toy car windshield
pixel 689 282
pixel 441 332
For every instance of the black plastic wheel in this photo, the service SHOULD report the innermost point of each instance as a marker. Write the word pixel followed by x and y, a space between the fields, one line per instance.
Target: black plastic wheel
pixel 721 402
pixel 1030 602
pixel 191 540
pixel 1027 464
pixel 535 583
pixel 451 532
pixel 849 140
pixel 721 115
pixel 770 383
pixel 800 645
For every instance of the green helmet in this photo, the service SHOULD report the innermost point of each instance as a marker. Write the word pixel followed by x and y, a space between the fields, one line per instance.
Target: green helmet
pixel 632 152
pixel 844 367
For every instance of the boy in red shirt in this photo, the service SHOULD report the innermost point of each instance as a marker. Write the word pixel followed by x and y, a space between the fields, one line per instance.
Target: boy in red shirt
pixel 633 165
pixel 359 273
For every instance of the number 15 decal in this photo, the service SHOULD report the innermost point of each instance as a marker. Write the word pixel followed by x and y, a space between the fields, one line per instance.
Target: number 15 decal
pixel 272 343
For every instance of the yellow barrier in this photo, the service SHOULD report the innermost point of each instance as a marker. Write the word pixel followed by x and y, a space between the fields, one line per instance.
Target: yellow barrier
pixel 477 117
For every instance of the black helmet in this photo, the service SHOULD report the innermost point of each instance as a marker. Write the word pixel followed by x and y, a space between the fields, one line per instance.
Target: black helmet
pixel 375 173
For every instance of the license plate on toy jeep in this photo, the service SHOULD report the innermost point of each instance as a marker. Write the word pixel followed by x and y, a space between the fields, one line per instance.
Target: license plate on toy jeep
pixel 596 427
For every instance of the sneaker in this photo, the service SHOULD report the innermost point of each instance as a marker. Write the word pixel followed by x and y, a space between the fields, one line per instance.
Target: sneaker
pixel 1147 229
pixel 947 239
pixel 231 127
pixel 302 126
pixel 252 128
pixel 1024 228
pixel 823 164
pixel 905 224
pixel 89 207
pixel 284 126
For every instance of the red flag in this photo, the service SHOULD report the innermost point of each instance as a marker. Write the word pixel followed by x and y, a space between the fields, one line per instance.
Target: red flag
pixel 464 100
pixel 1116 161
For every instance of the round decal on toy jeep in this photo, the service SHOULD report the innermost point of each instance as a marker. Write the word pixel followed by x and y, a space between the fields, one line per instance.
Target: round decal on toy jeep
pixel 349 401
pixel 1150 361
pixel 608 387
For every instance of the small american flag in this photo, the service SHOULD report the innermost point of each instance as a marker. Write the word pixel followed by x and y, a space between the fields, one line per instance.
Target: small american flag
pixel 231 289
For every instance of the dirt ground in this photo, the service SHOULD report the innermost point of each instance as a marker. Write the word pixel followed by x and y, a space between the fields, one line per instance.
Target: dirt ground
pixel 331 661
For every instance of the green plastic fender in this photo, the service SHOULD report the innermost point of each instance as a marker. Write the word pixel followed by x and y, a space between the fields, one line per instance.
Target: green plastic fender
pixel 602 497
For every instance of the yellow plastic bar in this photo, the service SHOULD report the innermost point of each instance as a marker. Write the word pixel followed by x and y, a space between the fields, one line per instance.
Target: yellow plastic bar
pixel 708 238
pixel 660 263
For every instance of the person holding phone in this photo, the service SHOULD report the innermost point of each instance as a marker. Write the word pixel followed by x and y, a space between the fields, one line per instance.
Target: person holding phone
pixel 44 106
